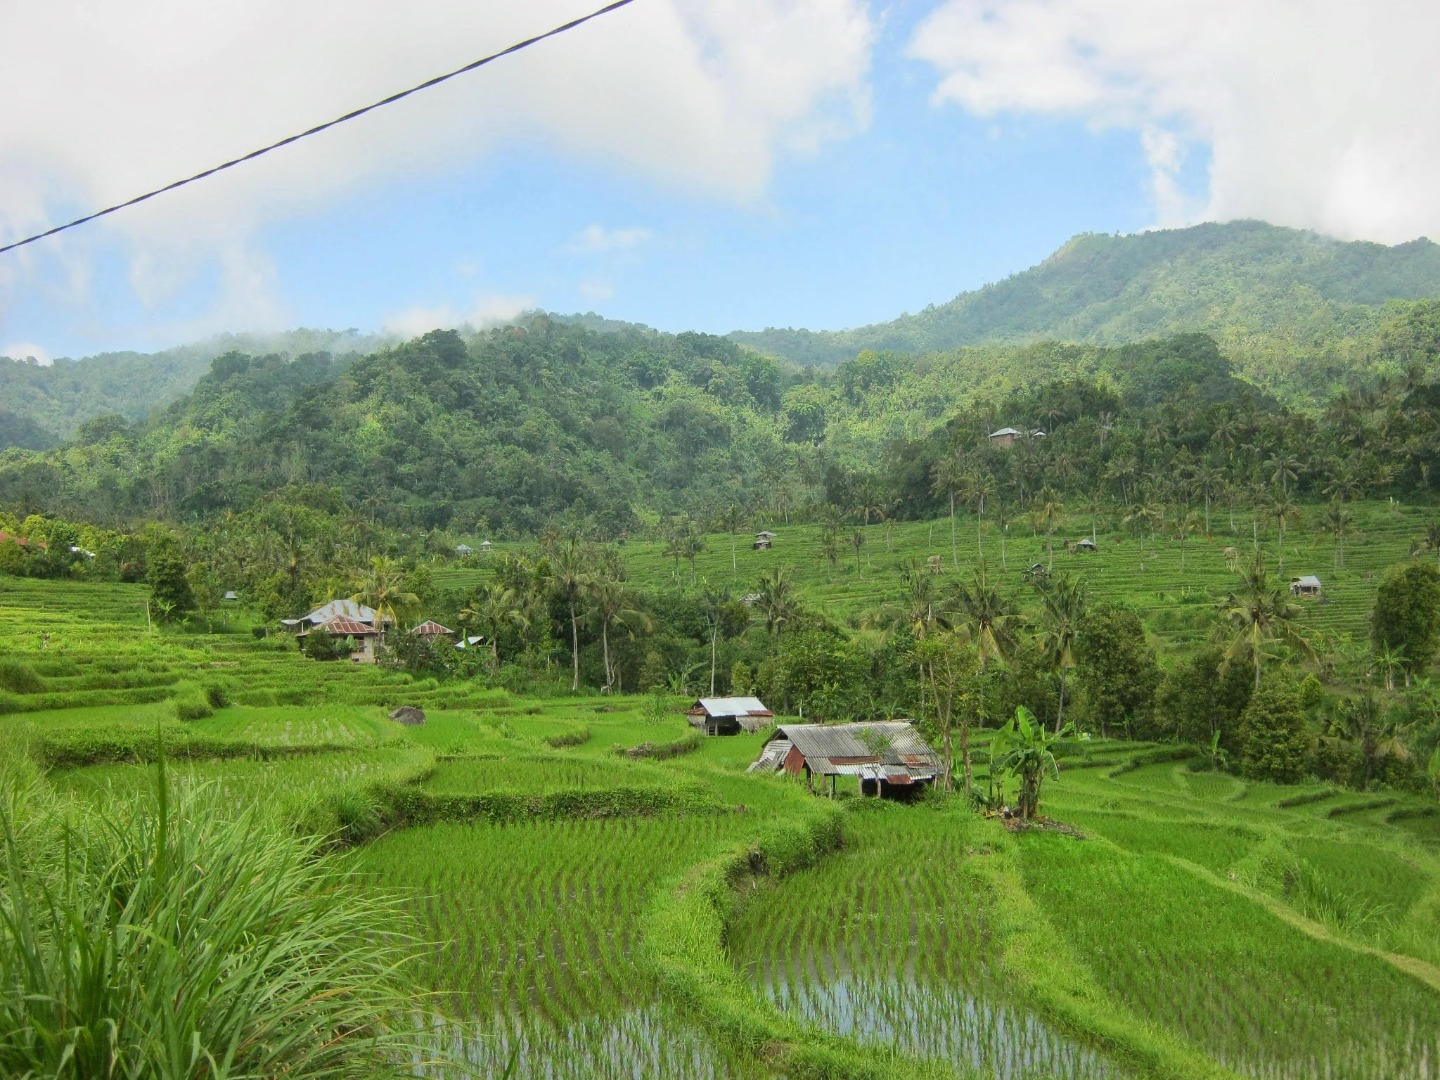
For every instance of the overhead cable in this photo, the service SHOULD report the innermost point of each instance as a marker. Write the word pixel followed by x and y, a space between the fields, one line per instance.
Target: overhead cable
pixel 517 47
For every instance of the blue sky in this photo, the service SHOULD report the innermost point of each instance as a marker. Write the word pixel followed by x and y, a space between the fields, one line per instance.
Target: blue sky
pixel 835 166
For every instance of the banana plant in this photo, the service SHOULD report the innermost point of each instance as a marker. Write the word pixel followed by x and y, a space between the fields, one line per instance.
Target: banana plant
pixel 1022 748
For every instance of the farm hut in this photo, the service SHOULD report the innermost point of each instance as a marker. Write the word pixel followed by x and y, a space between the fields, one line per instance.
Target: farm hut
pixel 730 716
pixel 764 540
pixel 1305 586
pixel 468 640
pixel 887 758
pixel 1084 545
pixel 484 547
pixel 932 563
pixel 20 541
pixel 364 633
pixel 431 631
pixel 1037 434
pixel 1006 436
pixel 464 550
pixel 232 595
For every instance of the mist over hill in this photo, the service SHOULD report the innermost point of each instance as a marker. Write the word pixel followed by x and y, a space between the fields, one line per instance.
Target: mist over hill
pixel 42 405
pixel 1287 306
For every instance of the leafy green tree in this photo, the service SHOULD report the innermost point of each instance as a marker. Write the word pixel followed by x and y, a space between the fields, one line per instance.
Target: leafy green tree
pixel 1116 673
pixel 612 605
pixel 947 663
pixel 1195 704
pixel 986 620
pixel 170 592
pixel 1406 616
pixel 1275 743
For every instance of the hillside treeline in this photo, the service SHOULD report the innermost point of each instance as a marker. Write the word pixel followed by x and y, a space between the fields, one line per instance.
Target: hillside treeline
pixel 548 425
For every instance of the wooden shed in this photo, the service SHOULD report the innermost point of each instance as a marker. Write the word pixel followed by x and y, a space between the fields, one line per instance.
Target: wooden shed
pixel 888 758
pixel 764 540
pixel 730 716
pixel 1305 586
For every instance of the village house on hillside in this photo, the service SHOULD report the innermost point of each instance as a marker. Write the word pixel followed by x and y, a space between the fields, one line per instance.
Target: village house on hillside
pixel 364 634
pixel 730 716
pixel 1309 586
pixel 889 758
pixel 1006 436
pixel 431 631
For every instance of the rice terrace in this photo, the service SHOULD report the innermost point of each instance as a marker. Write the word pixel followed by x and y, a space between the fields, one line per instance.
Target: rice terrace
pixel 579 668
pixel 581 884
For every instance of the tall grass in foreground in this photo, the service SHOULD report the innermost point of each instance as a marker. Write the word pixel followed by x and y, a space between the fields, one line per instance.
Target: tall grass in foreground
pixel 167 938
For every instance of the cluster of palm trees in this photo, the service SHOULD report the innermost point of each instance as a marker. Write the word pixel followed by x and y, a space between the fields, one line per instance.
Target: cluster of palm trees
pixel 586 584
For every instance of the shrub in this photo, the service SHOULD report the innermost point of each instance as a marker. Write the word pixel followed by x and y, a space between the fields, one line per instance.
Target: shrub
pixel 134 954
pixel 192 703
pixel 1274 742
pixel 20 678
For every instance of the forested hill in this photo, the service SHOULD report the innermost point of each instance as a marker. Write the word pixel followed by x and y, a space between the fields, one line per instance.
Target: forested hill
pixel 43 404
pixel 546 425
pixel 1288 307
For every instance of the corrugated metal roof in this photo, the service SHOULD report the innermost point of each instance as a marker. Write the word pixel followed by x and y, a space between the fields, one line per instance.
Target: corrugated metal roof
pixel 1309 581
pixel 341 609
pixel 431 628
pixel 732 706
pixel 342 627
pixel 847 750
pixel 1005 431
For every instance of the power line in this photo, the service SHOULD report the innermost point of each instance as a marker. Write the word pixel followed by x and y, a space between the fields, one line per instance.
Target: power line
pixel 517 47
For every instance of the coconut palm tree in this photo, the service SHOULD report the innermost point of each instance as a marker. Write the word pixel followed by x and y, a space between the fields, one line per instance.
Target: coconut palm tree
pixel 947 478
pixel 1259 613
pixel 1050 512
pixel 610 604
pixel 1186 524
pixel 979 486
pixel 1337 521
pixel 985 619
pixel 570 577
pixel 381 587
pixel 491 610
pixel 776 599
pixel 1062 610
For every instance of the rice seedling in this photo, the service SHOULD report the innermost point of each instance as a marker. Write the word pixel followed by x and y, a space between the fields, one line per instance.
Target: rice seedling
pixel 1186 960
pixel 887 942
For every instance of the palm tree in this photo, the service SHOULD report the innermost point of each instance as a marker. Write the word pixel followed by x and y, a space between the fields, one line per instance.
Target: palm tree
pixel 776 599
pixel 1187 522
pixel 1259 613
pixel 1283 469
pixel 732 519
pixel 1051 510
pixel 1140 517
pixel 714 601
pixel 570 577
pixel 987 621
pixel 980 486
pixel 610 605
pixel 1375 733
pixel 1284 509
pixel 1336 522
pixel 857 541
pixel 948 476
pixel 490 610
pixel 381 587
pixel 1062 610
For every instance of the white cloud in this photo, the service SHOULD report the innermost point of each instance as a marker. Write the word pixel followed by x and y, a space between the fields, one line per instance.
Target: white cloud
pixel 487 309
pixel 1317 113
pixel 699 95
pixel 25 350
pixel 598 240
